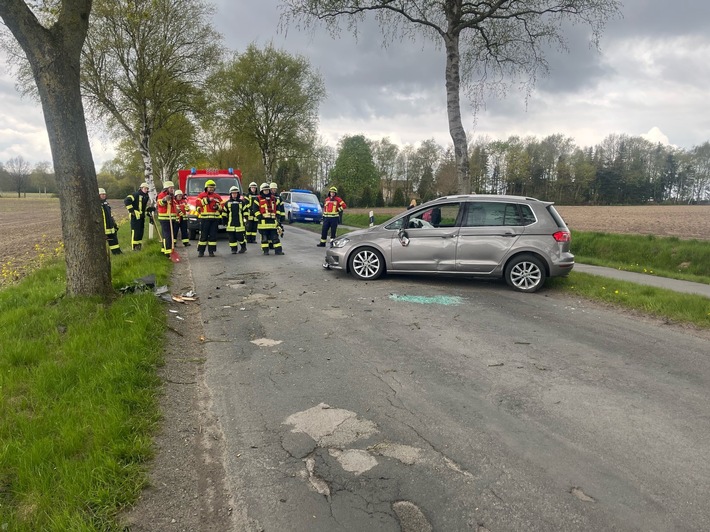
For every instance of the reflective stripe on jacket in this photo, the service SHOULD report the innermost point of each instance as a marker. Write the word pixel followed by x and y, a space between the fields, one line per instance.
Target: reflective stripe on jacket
pixel 333 206
pixel 167 207
pixel 235 214
pixel 211 204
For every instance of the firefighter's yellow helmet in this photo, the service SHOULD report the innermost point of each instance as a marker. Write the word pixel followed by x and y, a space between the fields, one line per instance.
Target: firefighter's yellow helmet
pixel 273 185
pixel 178 192
pixel 102 191
pixel 144 185
pixel 210 183
pixel 253 184
pixel 264 186
pixel 233 189
pixel 168 184
pixel 333 189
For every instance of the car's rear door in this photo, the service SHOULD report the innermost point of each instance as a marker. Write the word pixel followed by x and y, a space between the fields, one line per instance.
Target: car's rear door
pixel 428 244
pixel 488 231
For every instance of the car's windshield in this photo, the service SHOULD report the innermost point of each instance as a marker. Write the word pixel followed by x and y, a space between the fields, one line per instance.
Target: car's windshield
pixel 298 197
pixel 195 185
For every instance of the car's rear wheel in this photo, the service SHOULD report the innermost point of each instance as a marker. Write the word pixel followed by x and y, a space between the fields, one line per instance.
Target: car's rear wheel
pixel 367 264
pixel 525 273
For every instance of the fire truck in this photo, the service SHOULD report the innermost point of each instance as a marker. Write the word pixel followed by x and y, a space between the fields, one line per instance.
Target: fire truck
pixel 192 182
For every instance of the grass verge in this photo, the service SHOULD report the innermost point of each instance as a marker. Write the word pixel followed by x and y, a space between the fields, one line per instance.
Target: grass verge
pixel 663 256
pixel 78 396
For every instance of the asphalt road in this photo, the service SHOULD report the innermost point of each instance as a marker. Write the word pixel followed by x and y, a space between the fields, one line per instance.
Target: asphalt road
pixel 446 404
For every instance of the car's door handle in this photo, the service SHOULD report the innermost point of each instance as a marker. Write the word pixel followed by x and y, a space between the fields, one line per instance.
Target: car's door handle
pixel 450 235
pixel 509 233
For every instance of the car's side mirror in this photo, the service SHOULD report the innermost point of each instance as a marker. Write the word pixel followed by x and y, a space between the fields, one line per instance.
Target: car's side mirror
pixel 403 237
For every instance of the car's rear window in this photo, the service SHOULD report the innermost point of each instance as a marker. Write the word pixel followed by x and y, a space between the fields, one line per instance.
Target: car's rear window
pixel 556 216
pixel 491 214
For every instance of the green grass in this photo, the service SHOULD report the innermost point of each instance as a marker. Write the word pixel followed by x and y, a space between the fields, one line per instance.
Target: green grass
pixel 662 256
pixel 363 220
pixel 78 396
pixel 656 302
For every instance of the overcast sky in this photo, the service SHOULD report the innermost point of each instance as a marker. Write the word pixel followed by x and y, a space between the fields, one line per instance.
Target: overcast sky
pixel 651 78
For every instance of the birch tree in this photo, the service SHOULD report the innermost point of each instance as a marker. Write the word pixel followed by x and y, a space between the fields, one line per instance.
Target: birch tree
pixel 144 62
pixel 483 41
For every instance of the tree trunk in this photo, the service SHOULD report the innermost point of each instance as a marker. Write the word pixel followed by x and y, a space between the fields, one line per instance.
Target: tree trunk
pixel 87 261
pixel 453 109
pixel 144 149
pixel 54 55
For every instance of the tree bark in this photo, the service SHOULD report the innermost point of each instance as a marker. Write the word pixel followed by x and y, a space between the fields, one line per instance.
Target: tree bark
pixel 54 55
pixel 453 110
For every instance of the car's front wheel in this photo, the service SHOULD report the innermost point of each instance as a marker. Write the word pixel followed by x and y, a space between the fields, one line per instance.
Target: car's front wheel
pixel 367 264
pixel 525 273
pixel 288 217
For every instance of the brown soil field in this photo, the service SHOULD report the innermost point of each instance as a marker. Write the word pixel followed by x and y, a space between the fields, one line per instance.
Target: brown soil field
pixel 31 227
pixel 31 230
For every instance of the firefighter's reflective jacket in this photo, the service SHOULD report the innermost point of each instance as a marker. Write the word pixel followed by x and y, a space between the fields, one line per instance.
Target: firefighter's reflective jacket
pixel 167 206
pixel 234 210
pixel 211 204
pixel 270 214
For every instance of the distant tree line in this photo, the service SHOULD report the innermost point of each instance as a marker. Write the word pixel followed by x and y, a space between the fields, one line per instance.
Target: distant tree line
pixel 621 170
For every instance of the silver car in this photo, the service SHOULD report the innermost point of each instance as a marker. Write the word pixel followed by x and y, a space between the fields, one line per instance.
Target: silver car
pixel 523 240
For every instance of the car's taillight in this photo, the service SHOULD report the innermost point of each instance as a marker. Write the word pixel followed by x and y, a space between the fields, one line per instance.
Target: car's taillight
pixel 562 236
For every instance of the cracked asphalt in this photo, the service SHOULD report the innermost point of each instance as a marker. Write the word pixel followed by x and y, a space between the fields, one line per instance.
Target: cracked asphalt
pixel 341 405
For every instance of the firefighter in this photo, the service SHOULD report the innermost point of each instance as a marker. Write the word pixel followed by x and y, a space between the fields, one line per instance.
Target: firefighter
pixel 252 205
pixel 234 208
pixel 138 205
pixel 167 216
pixel 210 216
pixel 182 206
pixel 110 225
pixel 279 209
pixel 268 221
pixel 333 207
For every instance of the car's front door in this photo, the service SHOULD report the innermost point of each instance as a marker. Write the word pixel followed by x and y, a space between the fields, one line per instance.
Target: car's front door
pixel 428 242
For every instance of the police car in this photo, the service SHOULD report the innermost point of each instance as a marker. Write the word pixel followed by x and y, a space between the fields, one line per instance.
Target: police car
pixel 302 206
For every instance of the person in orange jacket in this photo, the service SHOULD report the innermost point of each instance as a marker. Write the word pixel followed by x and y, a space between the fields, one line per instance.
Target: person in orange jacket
pixel 182 207
pixel 333 206
pixel 167 216
pixel 210 216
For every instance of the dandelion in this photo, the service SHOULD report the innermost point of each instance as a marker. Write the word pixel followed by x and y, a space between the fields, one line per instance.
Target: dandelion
pixel 616 292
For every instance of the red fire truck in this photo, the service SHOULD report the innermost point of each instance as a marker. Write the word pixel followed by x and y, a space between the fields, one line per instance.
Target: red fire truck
pixel 192 182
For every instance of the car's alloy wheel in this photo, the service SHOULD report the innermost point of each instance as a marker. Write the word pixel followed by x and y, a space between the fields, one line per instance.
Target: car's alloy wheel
pixel 367 264
pixel 525 273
